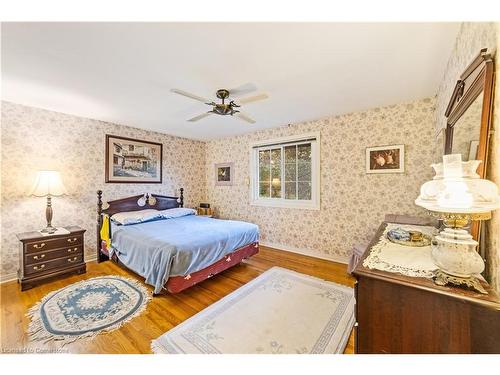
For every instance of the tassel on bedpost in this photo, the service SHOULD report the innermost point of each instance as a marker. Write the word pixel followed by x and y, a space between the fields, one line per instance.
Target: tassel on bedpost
pixel 181 199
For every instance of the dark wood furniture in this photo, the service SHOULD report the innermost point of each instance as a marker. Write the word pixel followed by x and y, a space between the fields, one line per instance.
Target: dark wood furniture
pixel 174 284
pixel 44 257
pixel 161 202
pixel 478 78
pixel 401 314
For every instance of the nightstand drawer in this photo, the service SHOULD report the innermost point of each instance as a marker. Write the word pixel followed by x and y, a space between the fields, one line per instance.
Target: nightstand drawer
pixel 51 265
pixel 43 245
pixel 43 256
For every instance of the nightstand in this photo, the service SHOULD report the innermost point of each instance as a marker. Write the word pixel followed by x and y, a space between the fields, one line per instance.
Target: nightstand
pixel 43 257
pixel 205 212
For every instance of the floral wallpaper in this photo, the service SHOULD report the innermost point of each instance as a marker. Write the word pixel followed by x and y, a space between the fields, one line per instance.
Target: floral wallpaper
pixel 353 203
pixel 471 38
pixel 34 139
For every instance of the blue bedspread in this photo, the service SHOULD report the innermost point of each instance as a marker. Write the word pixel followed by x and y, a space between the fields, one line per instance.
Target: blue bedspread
pixel 159 249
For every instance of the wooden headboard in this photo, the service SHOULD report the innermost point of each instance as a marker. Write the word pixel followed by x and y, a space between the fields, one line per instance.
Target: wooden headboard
pixel 162 202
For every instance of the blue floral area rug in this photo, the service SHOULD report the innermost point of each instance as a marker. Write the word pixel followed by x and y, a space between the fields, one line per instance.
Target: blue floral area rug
pixel 87 308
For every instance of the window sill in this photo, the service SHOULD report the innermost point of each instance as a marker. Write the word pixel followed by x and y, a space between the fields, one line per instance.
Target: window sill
pixel 286 204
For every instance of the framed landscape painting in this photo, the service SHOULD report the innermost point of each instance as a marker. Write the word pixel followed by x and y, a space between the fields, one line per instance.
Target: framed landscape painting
pixel 385 159
pixel 133 161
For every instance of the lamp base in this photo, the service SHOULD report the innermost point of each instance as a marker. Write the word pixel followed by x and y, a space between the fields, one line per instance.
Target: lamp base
pixel 48 229
pixel 443 278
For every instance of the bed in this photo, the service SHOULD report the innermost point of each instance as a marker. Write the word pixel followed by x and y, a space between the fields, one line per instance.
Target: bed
pixel 175 250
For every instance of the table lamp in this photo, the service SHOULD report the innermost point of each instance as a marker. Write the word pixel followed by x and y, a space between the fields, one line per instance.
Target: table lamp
pixel 458 195
pixel 48 183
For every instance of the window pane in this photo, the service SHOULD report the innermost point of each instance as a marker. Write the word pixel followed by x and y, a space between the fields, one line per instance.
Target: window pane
pixel 264 174
pixel 304 171
pixel 304 152
pixel 264 159
pixel 290 153
pixel 290 172
pixel 304 190
pixel 276 157
pixel 276 189
pixel 276 173
pixel 290 190
pixel 265 166
pixel 264 190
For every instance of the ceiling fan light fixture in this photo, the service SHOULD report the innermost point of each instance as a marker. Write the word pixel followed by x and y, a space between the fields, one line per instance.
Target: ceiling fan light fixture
pixel 223 109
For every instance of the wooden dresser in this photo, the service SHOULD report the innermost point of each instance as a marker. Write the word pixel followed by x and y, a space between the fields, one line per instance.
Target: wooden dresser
pixel 401 314
pixel 43 257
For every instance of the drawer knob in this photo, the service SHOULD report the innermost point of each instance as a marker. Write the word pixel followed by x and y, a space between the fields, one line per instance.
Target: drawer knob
pixel 36 268
pixel 72 239
pixel 39 246
pixel 39 256
pixel 72 260
pixel 72 250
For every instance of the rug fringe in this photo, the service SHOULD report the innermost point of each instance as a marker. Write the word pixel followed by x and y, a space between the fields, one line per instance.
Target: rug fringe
pixel 38 332
pixel 156 348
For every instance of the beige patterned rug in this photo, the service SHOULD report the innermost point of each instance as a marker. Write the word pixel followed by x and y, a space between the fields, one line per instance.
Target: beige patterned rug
pixel 280 311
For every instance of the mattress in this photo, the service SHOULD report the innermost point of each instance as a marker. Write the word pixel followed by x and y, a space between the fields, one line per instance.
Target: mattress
pixel 180 246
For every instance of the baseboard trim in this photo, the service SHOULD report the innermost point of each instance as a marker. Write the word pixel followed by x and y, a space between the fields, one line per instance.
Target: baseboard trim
pixel 13 276
pixel 291 249
pixel 8 277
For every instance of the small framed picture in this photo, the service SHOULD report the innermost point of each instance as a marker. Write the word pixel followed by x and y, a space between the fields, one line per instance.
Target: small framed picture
pixel 224 174
pixel 385 159
pixel 474 145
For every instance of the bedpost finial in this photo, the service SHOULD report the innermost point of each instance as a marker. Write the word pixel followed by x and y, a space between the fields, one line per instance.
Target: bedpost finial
pixel 181 200
pixel 99 202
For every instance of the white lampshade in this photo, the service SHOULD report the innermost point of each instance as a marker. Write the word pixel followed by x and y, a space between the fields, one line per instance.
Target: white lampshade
pixel 457 188
pixel 48 183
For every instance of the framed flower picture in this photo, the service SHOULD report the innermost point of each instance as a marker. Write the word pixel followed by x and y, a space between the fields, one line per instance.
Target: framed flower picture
pixel 224 174
pixel 132 161
pixel 385 159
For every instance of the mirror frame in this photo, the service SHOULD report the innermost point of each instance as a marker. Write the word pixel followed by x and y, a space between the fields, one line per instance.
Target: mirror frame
pixel 463 96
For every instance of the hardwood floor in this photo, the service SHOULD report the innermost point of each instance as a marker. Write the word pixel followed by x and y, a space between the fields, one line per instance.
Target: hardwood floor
pixel 163 312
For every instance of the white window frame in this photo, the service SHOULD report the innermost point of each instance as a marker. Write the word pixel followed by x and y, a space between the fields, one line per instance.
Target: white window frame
pixel 256 200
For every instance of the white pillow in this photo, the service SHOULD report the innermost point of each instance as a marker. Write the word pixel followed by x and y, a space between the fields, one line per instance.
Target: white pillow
pixel 172 213
pixel 134 217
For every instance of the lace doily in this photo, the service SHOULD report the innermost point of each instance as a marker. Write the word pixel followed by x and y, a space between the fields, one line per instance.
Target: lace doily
pixel 406 260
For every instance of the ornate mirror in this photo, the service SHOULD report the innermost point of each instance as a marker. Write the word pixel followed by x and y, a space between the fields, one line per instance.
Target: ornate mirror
pixel 469 115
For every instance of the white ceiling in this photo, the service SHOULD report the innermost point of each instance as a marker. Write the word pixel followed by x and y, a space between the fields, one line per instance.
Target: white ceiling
pixel 123 72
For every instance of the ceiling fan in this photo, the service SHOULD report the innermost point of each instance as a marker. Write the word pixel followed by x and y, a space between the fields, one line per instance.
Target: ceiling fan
pixel 224 108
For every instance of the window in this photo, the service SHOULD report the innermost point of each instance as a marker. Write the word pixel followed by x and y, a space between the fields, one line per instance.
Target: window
pixel 285 172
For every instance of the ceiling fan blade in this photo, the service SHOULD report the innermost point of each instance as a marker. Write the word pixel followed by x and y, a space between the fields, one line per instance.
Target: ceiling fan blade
pixel 243 89
pixel 245 117
pixel 192 96
pixel 253 98
pixel 199 117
